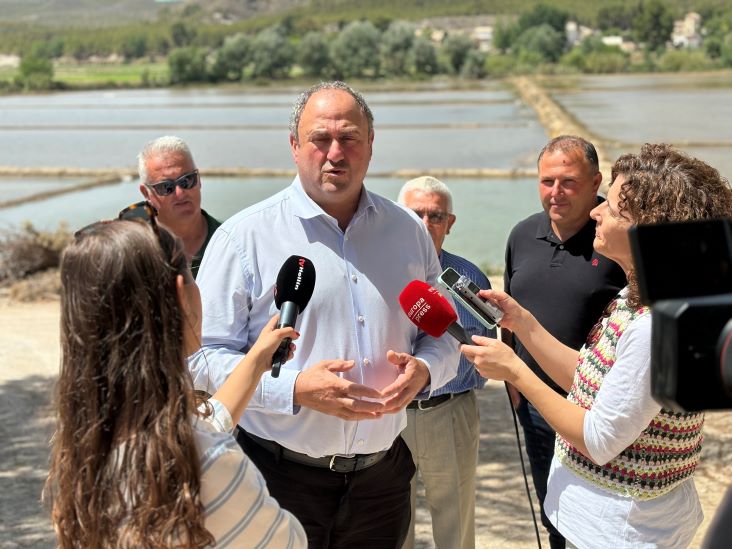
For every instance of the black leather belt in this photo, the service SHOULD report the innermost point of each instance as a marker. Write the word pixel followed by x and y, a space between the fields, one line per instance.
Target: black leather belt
pixel 336 463
pixel 434 401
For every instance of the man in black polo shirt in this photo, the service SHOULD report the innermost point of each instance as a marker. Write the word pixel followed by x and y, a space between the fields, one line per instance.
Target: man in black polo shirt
pixel 552 270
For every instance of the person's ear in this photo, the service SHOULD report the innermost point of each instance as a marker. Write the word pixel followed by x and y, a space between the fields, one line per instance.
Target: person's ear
pixel 596 181
pixel 294 147
pixel 145 191
pixel 451 218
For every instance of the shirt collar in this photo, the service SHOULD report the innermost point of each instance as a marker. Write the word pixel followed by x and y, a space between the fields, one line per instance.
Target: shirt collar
pixel 305 207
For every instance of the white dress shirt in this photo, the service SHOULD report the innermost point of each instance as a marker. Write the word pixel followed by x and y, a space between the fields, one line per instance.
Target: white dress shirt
pixel 354 313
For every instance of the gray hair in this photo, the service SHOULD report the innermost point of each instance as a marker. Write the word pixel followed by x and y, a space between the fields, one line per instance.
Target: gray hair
pixel 303 98
pixel 168 144
pixel 566 143
pixel 428 184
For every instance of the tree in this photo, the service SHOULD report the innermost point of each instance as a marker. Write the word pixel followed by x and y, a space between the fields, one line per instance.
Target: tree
pixel 543 14
pixel 396 43
pixel 542 42
pixel 423 57
pixel 272 55
pixel 134 46
pixel 187 65
pixel 356 50
pixel 474 65
pixel 653 24
pixel 456 48
pixel 504 35
pixel 616 15
pixel 35 73
pixel 313 55
pixel 182 34
pixel 725 53
pixel 232 57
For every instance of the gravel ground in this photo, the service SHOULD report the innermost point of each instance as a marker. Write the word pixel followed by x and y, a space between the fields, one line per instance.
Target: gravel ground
pixel 29 359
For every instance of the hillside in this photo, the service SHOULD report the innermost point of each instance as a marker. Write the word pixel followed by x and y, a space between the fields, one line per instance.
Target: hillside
pixel 89 13
pixel 78 13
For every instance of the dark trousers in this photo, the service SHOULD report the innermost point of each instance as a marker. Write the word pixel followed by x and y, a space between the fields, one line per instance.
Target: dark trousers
pixel 539 437
pixel 366 508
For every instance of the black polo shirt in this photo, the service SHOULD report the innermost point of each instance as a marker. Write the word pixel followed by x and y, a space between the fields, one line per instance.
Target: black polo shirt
pixel 565 285
pixel 213 224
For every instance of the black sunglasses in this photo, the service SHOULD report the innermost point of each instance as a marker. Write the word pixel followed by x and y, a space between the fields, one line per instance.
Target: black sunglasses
pixel 143 211
pixel 167 186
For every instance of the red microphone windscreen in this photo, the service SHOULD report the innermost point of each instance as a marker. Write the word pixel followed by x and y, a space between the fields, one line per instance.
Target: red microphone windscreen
pixel 427 308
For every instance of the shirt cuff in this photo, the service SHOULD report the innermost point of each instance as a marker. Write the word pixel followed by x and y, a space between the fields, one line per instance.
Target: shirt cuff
pixel 278 394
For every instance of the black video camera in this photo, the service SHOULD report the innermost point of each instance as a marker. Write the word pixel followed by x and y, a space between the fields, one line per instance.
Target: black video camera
pixel 684 272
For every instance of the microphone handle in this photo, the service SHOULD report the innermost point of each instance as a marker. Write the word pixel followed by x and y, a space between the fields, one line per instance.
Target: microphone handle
pixel 459 333
pixel 288 317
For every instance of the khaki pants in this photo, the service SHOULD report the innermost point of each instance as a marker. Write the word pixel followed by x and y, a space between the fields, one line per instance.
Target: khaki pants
pixel 444 445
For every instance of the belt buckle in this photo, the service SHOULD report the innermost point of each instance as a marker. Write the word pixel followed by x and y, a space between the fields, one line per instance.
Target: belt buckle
pixel 331 465
pixel 419 404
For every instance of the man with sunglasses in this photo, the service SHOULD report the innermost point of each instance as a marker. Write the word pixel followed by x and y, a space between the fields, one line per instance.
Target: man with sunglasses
pixel 170 181
pixel 443 431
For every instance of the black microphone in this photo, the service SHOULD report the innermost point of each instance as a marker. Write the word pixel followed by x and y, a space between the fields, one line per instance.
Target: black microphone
pixel 294 288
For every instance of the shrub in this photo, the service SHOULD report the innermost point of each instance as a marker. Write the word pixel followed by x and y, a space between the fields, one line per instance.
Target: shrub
pixel 684 60
pixel 27 251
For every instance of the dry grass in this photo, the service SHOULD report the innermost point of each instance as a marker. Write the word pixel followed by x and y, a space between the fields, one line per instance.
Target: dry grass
pixel 29 260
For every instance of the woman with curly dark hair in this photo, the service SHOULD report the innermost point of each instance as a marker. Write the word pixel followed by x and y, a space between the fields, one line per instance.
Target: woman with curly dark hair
pixel 622 469
pixel 134 462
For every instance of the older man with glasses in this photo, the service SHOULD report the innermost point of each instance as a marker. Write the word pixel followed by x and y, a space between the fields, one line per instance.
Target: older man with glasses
pixel 443 431
pixel 170 181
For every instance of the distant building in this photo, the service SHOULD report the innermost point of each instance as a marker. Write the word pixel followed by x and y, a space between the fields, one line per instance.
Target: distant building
pixel 483 36
pixel 687 32
pixel 576 33
pixel 478 27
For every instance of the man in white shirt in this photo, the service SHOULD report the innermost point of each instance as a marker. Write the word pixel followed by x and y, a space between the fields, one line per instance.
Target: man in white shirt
pixel 325 432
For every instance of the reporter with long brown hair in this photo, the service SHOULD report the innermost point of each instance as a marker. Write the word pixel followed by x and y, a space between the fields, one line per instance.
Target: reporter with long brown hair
pixel 622 472
pixel 134 463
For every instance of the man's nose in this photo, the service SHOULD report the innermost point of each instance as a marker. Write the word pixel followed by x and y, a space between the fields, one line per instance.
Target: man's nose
pixel 335 152
pixel 556 187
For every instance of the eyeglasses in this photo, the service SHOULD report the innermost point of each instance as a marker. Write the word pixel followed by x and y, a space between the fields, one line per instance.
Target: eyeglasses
pixel 167 186
pixel 140 210
pixel 434 217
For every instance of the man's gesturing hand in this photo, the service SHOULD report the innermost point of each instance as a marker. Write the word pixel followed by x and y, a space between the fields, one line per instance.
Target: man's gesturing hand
pixel 320 388
pixel 413 377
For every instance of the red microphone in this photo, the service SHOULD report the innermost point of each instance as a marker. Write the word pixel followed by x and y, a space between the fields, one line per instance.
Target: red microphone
pixel 428 309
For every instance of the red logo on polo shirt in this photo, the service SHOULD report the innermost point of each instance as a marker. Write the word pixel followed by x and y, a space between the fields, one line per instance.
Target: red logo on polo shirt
pixel 595 262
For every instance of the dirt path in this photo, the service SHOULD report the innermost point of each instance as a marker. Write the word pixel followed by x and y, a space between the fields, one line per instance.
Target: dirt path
pixel 29 359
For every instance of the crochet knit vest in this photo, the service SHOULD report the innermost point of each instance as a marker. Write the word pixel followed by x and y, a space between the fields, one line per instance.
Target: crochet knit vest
pixel 666 452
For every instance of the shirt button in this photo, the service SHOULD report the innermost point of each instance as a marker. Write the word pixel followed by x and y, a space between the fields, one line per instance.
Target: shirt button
pixel 354 278
pixel 366 362
pixel 361 319
pixel 561 246
pixel 360 442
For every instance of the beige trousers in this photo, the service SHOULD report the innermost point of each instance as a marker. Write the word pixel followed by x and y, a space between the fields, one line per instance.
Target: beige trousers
pixel 444 445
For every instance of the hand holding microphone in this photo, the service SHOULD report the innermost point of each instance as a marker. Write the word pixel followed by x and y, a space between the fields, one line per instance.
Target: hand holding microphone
pixel 293 290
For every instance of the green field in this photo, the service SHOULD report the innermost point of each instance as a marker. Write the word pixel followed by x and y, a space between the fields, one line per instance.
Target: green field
pixel 103 74
pixel 131 74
